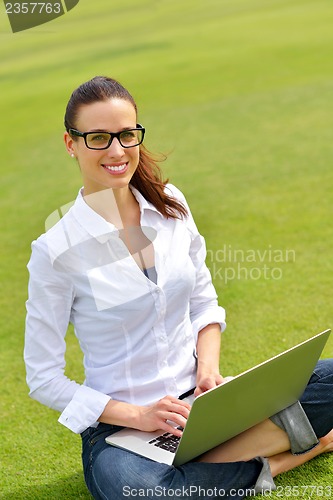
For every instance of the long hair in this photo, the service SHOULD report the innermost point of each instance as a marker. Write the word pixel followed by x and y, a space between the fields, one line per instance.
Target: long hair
pixel 148 177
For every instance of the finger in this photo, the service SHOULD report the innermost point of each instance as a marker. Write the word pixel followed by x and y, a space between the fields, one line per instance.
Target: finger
pixel 181 402
pixel 181 408
pixel 173 404
pixel 204 386
pixel 207 384
pixel 176 413
pixel 197 391
pixel 174 426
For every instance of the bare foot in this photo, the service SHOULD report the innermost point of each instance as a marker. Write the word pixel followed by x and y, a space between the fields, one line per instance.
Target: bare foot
pixel 327 442
pixel 286 461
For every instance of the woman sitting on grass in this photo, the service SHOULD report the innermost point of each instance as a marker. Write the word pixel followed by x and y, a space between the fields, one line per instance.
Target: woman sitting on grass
pixel 126 266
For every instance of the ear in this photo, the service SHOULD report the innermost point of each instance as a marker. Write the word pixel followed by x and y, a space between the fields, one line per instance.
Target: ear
pixel 70 144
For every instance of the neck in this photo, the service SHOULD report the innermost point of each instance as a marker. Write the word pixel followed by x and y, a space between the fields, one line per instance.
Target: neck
pixel 117 206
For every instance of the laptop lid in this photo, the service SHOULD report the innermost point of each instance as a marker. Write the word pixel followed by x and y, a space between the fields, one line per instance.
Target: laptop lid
pixel 249 398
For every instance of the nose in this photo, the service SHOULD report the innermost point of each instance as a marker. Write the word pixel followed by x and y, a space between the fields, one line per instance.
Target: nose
pixel 115 150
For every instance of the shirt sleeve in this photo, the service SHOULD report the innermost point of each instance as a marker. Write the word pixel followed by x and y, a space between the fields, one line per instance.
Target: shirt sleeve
pixel 204 307
pixel 49 304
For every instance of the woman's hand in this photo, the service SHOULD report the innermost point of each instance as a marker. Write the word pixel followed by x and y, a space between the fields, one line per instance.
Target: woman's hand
pixel 162 414
pixel 207 380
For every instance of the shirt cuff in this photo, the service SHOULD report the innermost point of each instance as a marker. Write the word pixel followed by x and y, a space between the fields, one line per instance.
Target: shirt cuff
pixel 84 409
pixel 207 318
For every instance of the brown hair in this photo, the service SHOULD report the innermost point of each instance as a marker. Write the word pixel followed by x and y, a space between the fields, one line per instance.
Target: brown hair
pixel 148 176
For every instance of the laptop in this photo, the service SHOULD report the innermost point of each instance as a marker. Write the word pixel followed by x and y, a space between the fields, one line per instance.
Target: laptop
pixel 232 407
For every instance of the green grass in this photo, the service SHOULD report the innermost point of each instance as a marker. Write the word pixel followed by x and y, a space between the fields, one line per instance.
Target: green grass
pixel 238 93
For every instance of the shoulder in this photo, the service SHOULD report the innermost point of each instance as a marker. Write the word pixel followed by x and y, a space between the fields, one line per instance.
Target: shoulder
pixel 189 222
pixel 172 190
pixel 176 193
pixel 59 230
pixel 57 223
pixel 50 252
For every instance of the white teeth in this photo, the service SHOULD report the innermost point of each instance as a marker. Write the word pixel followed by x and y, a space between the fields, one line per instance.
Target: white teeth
pixel 115 169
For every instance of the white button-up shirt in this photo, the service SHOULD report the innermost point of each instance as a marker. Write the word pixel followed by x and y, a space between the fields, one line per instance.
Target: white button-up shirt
pixel 138 338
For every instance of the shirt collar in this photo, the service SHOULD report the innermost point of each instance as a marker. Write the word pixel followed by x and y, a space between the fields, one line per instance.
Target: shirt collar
pixel 95 224
pixel 143 203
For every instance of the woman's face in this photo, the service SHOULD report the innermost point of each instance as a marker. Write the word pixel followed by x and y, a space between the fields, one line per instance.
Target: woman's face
pixel 112 167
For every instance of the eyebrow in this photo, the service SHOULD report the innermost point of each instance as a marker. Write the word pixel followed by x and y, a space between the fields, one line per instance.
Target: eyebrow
pixel 107 131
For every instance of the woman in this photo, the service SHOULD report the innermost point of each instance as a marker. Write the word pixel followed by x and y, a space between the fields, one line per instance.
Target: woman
pixel 126 265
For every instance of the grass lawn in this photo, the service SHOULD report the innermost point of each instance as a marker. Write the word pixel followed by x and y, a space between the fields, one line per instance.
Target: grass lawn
pixel 239 94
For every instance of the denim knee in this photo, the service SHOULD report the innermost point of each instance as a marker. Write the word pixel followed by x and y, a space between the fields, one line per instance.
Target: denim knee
pixel 317 399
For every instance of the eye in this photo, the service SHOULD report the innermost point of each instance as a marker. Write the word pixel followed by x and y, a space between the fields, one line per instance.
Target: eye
pixel 128 135
pixel 99 137
pixel 98 140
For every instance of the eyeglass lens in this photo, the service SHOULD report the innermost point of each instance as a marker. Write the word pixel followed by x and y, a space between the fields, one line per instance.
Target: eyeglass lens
pixel 101 140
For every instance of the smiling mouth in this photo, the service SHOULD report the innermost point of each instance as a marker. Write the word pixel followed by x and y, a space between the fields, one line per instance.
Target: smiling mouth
pixel 116 169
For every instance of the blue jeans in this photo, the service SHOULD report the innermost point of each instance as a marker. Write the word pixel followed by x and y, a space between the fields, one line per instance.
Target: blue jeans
pixel 112 473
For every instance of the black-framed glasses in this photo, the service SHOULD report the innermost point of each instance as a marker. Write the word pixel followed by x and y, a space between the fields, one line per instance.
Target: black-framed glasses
pixel 128 138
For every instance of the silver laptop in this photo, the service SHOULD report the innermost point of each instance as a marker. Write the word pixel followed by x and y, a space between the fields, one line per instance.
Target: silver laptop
pixel 229 409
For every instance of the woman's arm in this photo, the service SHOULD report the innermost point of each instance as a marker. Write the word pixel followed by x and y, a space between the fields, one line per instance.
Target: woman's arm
pixel 208 352
pixel 207 317
pixel 51 295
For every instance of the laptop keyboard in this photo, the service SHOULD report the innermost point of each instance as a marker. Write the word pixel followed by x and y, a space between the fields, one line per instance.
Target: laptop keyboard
pixel 167 442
